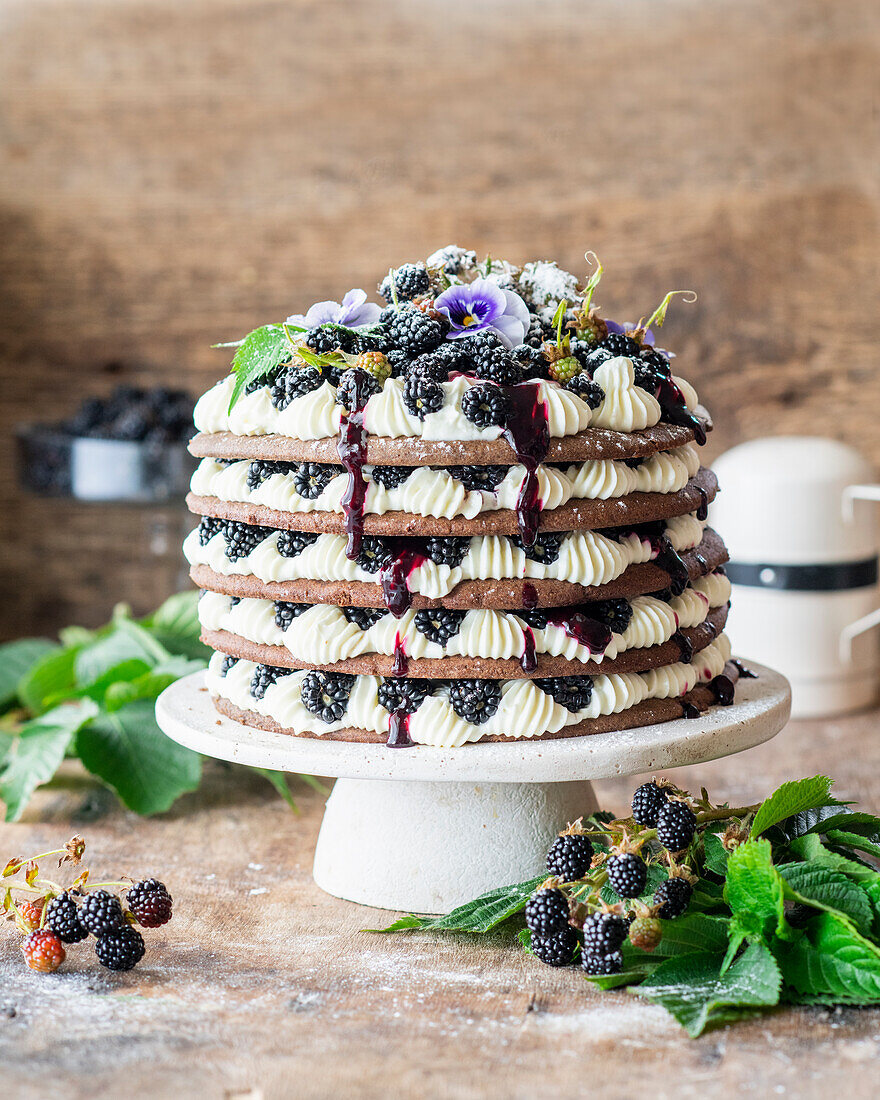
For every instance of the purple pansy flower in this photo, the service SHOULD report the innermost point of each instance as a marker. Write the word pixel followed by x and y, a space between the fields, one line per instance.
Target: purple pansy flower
pixel 483 306
pixel 353 310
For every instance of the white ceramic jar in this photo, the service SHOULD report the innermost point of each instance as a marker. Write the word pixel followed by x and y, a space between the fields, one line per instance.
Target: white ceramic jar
pixel 797 517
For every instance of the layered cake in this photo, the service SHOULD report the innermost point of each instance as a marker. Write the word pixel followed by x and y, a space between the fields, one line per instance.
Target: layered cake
pixel 474 512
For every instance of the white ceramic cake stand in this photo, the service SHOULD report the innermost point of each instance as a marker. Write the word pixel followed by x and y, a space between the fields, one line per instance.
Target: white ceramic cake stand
pixel 423 829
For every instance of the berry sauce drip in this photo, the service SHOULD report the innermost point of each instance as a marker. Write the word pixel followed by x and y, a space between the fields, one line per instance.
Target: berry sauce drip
pixel 528 661
pixel 529 596
pixel 590 633
pixel 401 662
pixel 669 561
pixel 527 433
pixel 685 645
pixel 744 672
pixel 722 688
pixel 703 510
pixel 352 450
pixel 398 731
pixel 675 410
pixel 688 710
pixel 394 577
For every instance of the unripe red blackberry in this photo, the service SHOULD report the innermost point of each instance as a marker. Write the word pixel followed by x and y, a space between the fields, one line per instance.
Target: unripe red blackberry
pixel 645 933
pixel 43 951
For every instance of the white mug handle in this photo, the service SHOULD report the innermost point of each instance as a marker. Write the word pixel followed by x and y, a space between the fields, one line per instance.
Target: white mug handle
pixel 851 494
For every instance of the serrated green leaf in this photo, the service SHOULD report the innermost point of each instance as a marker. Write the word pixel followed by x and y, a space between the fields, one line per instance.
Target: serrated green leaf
pixel 148 684
pixel 128 751
pixel 260 352
pixel 811 850
pixel 830 958
pixel 715 854
pixel 829 890
pixel 754 889
pixel 872 893
pixel 693 990
pixel 693 932
pixel 866 825
pixel 124 641
pixel 16 660
pixel 801 824
pixel 480 915
pixel 175 625
pixel 49 681
pixel 37 752
pixel 853 840
pixel 789 799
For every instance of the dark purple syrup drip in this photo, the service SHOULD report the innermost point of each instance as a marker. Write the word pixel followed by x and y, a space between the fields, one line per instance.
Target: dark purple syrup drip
pixel 401 662
pixel 703 510
pixel 394 577
pixel 722 688
pixel 398 731
pixel 675 410
pixel 669 561
pixel 529 596
pixel 688 710
pixel 352 450
pixel 590 633
pixel 528 661
pixel 744 672
pixel 685 645
pixel 527 433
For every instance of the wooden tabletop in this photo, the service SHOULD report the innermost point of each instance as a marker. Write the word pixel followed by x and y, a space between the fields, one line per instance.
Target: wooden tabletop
pixel 262 986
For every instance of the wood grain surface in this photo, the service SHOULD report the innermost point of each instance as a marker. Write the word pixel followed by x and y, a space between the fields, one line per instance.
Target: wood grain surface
pixel 175 173
pixel 262 987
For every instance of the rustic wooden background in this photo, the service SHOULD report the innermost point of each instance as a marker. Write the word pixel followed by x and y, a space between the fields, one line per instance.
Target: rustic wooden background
pixel 175 172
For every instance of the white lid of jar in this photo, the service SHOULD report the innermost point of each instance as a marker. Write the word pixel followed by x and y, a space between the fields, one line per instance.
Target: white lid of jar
pixel 782 500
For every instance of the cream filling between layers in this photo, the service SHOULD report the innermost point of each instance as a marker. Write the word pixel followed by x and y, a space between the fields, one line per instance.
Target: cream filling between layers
pixel 315 415
pixel 435 492
pixel 585 557
pixel 524 711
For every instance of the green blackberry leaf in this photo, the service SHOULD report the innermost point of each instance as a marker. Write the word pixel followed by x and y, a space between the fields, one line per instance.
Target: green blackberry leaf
pixel 754 889
pixel 37 751
pixel 790 799
pixel 693 932
pixel 693 989
pixel 17 659
pixel 805 822
pixel 49 681
pixel 124 641
pixel 810 849
pixel 852 840
pixel 175 625
pixel 849 821
pixel 828 890
pixel 831 959
pixel 147 685
pixel 480 915
pixel 715 854
pixel 259 354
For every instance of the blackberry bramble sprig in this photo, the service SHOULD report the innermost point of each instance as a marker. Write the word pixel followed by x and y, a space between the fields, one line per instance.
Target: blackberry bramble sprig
pixel 52 916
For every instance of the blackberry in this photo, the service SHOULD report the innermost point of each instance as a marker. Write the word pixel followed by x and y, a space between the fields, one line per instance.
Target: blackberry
pixel 544 550
pixel 375 364
pixel 656 361
pixel 399 362
pixel 62 917
pixel 374 554
pixel 422 395
pixel 645 932
pixel 673 896
pixel 564 369
pixel 234 601
pixel 571 692
pixel 645 378
pixel 526 354
pixel 618 343
pixel 485 406
pixel 43 951
pixel 264 677
pixel 286 612
pixel 227 663
pixel 615 614
pixel 449 550
pixel 475 701
pixel 150 902
pixel 534 618
pixel 293 382
pixel 387 314
pixel 594 357
pixel 261 471
pixel 322 338
pixel 479 478
pixel 398 693
pixel 355 388
pixel 627 874
pixel 558 949
pixel 415 332
pixel 101 913
pixel 570 857
pixel 590 392
pixel 326 694
pixel 292 543
pixel 432 364
pixel 121 949
pixel 310 479
pixel 242 538
pixel 390 477
pixel 492 361
pixel 363 617
pixel 647 802
pixel 208 528
pixel 602 965
pixel 410 280
pixel 453 355
pixel 535 335
pixel 604 933
pixel 547 912
pixel 676 824
pixel 439 624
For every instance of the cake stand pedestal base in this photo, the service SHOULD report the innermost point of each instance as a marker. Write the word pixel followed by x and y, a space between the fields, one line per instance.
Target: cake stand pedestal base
pixel 424 829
